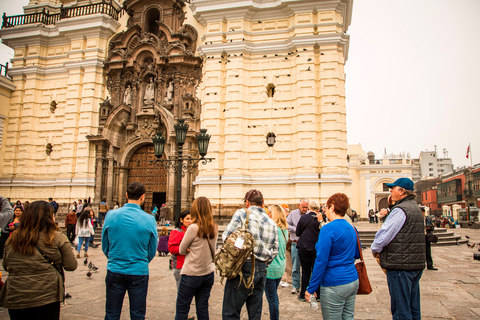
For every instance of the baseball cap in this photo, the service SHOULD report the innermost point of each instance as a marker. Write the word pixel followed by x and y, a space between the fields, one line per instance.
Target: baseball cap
pixel 404 183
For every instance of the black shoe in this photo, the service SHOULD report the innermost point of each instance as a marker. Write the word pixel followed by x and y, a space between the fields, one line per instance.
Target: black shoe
pixel 432 268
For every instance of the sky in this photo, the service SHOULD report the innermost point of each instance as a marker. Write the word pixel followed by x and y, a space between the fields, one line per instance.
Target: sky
pixel 412 76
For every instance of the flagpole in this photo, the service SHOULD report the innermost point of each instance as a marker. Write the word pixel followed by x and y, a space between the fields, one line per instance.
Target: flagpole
pixel 471 160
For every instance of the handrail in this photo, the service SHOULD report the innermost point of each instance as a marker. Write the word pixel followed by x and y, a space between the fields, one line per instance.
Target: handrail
pixel 46 18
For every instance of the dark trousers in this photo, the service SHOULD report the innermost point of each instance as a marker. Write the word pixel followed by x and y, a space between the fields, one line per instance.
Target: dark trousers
pixel 307 260
pixel 194 286
pixel 101 217
pixel 49 311
pixel 428 254
pixel 71 232
pixel 236 295
pixel 117 284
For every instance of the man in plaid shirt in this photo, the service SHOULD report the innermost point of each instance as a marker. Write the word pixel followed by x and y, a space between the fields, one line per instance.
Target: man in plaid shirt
pixel 264 231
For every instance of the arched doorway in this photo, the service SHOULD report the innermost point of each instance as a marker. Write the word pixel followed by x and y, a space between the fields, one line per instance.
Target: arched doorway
pixel 383 203
pixel 141 168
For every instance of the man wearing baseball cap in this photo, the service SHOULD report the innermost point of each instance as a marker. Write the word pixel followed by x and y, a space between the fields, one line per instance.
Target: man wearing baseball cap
pixel 400 246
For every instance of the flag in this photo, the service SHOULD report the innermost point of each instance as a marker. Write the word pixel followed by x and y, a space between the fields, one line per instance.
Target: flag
pixel 468 150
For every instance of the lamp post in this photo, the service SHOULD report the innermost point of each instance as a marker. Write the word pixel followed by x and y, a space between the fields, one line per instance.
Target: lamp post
pixel 177 164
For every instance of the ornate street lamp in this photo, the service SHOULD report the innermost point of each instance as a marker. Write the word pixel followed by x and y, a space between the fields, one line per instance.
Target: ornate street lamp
pixel 176 164
pixel 158 144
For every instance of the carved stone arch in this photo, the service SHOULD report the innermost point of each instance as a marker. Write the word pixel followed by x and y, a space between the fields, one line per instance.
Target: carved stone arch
pixel 146 16
pixel 190 32
pixel 133 42
pixel 143 52
pixel 167 119
pixel 114 128
pixel 166 30
pixel 381 181
pixel 177 48
pixel 131 148
pixel 117 55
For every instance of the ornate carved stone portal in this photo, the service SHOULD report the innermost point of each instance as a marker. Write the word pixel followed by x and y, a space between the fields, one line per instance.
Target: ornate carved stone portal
pixel 152 75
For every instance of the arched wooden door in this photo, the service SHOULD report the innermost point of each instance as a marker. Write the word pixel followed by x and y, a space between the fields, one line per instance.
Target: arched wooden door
pixel 383 203
pixel 152 176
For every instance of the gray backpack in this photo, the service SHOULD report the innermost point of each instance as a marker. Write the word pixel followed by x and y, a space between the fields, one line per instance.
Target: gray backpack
pixel 237 248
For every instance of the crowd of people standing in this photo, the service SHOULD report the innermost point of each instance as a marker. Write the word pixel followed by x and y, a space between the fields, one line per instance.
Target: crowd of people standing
pixel 320 242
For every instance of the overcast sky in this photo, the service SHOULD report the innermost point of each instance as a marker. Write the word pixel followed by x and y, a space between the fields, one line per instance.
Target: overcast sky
pixel 412 76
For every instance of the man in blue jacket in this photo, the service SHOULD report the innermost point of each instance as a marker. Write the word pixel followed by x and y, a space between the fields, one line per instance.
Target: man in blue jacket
pixel 129 240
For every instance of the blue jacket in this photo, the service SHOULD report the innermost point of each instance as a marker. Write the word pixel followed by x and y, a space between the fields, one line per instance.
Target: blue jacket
pixel 129 240
pixel 337 250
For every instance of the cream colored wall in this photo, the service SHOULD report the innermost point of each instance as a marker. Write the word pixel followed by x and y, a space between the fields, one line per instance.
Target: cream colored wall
pixel 6 89
pixel 303 56
pixel 61 63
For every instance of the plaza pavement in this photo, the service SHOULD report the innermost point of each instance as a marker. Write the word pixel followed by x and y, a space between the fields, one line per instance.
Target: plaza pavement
pixel 452 292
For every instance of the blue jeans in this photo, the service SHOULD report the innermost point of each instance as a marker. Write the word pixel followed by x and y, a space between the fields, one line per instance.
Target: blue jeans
pixel 338 302
pixel 117 284
pixel 101 217
pixel 295 267
pixel 194 286
pixel 80 242
pixel 271 286
pixel 236 295
pixel 404 287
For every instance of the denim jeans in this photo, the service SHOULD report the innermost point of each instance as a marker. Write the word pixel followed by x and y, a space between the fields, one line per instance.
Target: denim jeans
pixel 404 287
pixel 271 286
pixel 338 302
pixel 101 217
pixel 295 267
pixel 117 284
pixel 194 286
pixel 236 295
pixel 80 242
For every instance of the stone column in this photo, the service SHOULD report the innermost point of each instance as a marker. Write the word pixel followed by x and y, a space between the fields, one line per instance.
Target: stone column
pixel 110 159
pixel 122 186
pixel 98 174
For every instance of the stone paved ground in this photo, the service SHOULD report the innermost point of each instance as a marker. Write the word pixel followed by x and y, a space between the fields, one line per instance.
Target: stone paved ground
pixel 452 292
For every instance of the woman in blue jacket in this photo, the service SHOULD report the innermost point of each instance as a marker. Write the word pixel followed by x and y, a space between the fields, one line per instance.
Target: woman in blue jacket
pixel 334 268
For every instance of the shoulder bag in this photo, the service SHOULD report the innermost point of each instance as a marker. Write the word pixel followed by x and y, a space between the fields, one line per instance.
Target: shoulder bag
pixel 60 270
pixel 364 286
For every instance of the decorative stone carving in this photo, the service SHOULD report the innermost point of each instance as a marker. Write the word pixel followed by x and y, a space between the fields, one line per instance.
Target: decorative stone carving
pixel 169 95
pixel 127 96
pixel 149 97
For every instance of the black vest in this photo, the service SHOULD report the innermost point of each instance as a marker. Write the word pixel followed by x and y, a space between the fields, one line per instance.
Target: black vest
pixel 407 250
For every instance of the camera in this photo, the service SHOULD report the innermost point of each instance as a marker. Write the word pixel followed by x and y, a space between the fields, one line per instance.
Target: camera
pixel 476 256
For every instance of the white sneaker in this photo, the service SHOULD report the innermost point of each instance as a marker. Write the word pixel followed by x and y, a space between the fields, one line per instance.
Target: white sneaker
pixel 285 284
pixel 295 291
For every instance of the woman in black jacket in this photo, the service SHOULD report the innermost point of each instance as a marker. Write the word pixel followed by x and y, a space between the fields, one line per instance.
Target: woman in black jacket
pixel 308 228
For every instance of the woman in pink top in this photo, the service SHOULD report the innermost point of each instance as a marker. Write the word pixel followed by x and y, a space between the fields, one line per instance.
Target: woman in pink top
pixel 197 275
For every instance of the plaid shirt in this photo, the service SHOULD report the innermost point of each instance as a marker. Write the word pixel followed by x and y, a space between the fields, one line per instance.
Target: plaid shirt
pixel 263 228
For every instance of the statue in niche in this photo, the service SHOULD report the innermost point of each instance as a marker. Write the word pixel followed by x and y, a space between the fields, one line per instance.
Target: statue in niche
pixel 148 98
pixel 127 96
pixel 169 95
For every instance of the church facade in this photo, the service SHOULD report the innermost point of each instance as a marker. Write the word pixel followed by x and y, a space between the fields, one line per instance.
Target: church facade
pixel 94 81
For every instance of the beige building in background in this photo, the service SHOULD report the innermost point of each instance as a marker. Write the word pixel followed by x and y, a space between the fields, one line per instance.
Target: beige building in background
pixel 370 175
pixel 265 69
